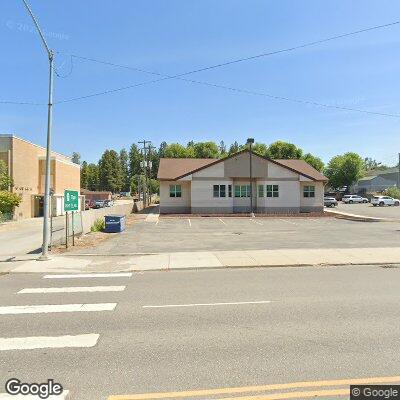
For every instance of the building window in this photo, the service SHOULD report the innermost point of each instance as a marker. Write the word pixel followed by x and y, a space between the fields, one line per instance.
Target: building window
pixel 260 190
pixel 229 190
pixel 272 190
pixel 242 190
pixel 175 191
pixel 219 190
pixel 309 191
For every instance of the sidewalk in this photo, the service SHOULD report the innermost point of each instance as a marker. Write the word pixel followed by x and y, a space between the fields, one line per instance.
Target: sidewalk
pixel 204 260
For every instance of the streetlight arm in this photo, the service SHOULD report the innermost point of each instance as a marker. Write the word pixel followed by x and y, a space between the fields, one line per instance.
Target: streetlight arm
pixel 49 52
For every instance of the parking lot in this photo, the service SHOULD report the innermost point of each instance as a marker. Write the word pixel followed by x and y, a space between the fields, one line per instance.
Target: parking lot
pixel 369 210
pixel 176 234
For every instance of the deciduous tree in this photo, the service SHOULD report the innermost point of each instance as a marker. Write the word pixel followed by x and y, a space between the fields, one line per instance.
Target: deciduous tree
pixel 76 158
pixel 176 150
pixel 344 170
pixel 6 181
pixel 314 161
pixel 206 150
pixel 284 150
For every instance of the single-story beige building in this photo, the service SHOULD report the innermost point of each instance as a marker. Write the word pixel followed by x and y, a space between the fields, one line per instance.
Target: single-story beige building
pixel 217 186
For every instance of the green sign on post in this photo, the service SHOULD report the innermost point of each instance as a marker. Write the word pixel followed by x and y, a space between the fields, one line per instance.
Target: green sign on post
pixel 71 200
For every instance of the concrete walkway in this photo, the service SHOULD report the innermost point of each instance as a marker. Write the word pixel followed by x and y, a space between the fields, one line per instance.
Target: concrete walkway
pixel 204 259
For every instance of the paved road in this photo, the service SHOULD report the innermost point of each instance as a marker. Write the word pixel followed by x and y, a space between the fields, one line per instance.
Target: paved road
pixel 215 234
pixel 369 210
pixel 321 324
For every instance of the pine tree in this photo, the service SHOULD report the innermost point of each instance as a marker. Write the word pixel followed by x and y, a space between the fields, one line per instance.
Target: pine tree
pixel 110 176
pixel 84 175
pixel 123 159
pixel 134 161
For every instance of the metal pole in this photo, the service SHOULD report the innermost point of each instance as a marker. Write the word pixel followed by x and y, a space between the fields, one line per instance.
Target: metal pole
pixel 398 175
pixel 51 222
pixel 46 217
pixel 45 246
pixel 73 229
pixel 251 184
pixel 145 177
pixel 66 229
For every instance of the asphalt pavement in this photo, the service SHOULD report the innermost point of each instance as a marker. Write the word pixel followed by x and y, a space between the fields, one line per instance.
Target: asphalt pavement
pixel 368 210
pixel 177 234
pixel 207 329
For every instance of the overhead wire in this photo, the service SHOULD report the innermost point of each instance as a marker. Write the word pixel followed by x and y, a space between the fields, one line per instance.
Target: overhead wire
pixel 230 88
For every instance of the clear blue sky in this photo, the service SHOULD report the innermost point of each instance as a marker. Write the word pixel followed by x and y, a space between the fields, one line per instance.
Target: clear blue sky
pixel 174 36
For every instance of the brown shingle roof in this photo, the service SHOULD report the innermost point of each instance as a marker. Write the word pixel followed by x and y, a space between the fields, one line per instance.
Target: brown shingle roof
pixel 303 168
pixel 172 168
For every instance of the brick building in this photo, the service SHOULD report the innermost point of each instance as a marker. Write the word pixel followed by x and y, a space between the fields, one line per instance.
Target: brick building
pixel 26 165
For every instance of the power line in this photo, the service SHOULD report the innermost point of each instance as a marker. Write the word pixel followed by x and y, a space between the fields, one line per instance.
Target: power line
pixel 69 72
pixel 238 90
pixel 265 54
pixel 233 89
pixel 24 103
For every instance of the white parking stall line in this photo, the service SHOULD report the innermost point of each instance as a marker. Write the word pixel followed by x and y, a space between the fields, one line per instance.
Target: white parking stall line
pixel 190 224
pixel 73 289
pixel 157 221
pixel 219 219
pixel 78 276
pixel 56 308
pixel 6 396
pixel 288 222
pixel 256 222
pixel 209 304
pixel 42 342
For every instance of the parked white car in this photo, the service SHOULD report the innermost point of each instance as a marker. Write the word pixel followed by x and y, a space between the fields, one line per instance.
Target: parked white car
pixel 384 201
pixel 353 198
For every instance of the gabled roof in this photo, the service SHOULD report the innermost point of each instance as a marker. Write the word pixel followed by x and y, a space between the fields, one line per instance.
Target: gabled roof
pixel 303 168
pixel 172 168
pixel 177 168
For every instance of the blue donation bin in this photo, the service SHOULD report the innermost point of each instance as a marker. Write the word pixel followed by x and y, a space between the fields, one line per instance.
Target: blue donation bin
pixel 114 223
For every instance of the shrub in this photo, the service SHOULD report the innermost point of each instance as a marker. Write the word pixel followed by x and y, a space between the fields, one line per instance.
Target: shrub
pixel 5 217
pixel 8 201
pixel 392 192
pixel 98 225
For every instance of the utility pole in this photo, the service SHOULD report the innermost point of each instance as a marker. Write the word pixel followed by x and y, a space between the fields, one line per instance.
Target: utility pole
pixel 144 166
pixel 250 141
pixel 150 166
pixel 398 175
pixel 46 209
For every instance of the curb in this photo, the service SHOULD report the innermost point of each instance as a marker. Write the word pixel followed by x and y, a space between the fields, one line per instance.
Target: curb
pixel 359 218
pixel 349 264
pixel 387 265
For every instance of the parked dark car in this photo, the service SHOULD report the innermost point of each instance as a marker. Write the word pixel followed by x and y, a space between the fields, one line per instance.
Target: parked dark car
pixel 330 202
pixel 108 203
pixel 89 204
pixel 99 204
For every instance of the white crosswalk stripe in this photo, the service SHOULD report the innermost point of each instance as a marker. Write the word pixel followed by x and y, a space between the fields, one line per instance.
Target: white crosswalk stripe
pixel 66 340
pixel 57 308
pixel 42 342
pixel 74 289
pixel 77 276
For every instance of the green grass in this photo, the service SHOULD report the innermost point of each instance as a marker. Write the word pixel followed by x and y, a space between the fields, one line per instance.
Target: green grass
pixel 98 225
